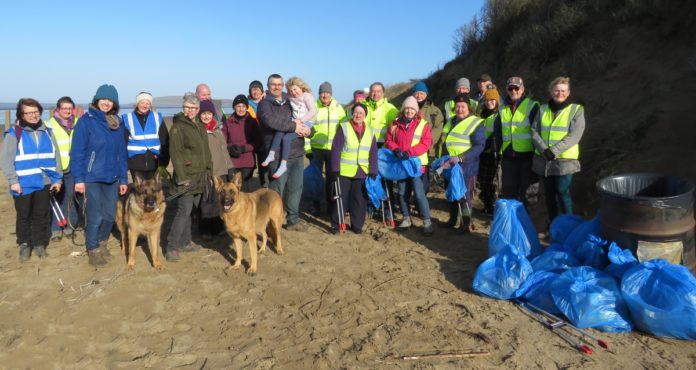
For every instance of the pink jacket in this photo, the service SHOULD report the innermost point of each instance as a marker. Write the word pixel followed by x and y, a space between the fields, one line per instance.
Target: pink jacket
pixel 404 135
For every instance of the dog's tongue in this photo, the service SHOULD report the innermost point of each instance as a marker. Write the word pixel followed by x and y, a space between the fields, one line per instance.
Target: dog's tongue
pixel 227 207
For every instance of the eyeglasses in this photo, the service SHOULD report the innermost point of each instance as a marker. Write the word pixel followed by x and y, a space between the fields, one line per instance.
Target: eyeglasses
pixel 66 108
pixel 513 88
pixel 32 113
pixel 190 108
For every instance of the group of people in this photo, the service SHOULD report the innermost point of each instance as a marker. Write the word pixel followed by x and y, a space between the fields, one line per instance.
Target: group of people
pixel 272 131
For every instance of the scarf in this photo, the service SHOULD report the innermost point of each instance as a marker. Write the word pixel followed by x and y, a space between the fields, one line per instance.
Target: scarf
pixel 113 121
pixel 210 126
pixel 555 107
pixel 66 123
pixel 359 128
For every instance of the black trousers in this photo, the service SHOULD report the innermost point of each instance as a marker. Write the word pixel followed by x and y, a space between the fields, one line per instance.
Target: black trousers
pixel 247 175
pixel 487 178
pixel 323 160
pixel 520 182
pixel 354 197
pixel 33 218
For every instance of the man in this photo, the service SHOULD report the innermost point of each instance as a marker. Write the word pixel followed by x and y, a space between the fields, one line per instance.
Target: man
pixel 203 93
pixel 255 96
pixel 147 138
pixel 484 82
pixel 62 123
pixel 512 128
pixel 381 113
pixel 461 87
pixel 275 114
pixel 329 116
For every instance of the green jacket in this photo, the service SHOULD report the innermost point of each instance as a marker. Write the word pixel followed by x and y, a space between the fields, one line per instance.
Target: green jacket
pixel 431 113
pixel 189 153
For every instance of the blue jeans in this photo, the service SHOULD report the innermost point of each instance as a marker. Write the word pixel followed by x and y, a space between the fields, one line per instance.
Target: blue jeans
pixel 419 193
pixel 64 197
pixel 180 231
pixel 289 186
pixel 101 211
pixel 557 193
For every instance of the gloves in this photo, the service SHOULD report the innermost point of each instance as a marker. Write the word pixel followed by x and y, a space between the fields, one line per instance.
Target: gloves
pixel 404 155
pixel 397 153
pixel 234 151
pixel 548 155
pixel 335 174
pixel 373 176
pixel 240 148
pixel 310 156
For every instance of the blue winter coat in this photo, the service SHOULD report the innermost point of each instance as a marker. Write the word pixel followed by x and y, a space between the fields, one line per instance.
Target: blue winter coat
pixel 98 153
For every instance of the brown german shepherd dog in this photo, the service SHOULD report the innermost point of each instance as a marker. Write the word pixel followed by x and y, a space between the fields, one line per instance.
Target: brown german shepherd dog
pixel 141 212
pixel 249 214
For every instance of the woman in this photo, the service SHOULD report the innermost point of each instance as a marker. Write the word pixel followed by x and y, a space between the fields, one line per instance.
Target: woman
pixel 99 165
pixel 241 132
pixel 354 153
pixel 556 132
pixel 210 223
pixel 409 136
pixel 463 140
pixel 490 158
pixel 147 137
pixel 31 163
pixel 191 159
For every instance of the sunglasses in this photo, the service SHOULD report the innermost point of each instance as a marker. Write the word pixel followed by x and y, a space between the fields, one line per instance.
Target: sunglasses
pixel 513 88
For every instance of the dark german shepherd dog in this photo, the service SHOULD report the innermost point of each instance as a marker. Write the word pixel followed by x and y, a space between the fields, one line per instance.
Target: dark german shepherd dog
pixel 141 212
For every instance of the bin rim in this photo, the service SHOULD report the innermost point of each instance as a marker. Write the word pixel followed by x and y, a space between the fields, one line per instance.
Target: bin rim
pixel 602 191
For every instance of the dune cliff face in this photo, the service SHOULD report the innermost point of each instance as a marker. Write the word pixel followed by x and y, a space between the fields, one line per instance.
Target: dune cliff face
pixel 632 65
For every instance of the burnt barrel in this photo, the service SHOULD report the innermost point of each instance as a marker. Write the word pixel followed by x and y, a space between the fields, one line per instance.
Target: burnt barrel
pixel 651 214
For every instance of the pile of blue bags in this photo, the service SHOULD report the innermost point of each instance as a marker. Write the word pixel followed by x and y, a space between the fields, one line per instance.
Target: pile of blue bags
pixel 594 283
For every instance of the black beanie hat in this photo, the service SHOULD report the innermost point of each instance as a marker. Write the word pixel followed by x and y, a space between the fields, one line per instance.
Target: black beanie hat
pixel 255 83
pixel 240 99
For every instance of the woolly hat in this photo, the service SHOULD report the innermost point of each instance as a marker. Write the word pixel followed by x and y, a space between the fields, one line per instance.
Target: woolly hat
pixel 255 83
pixel 107 92
pixel 357 93
pixel 325 88
pixel 240 99
pixel 207 106
pixel 463 82
pixel 491 94
pixel 410 102
pixel 143 96
pixel 420 86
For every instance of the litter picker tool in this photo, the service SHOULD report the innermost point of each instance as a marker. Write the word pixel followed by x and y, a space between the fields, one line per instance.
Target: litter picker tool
pixel 387 222
pixel 57 212
pixel 339 206
pixel 602 343
pixel 556 328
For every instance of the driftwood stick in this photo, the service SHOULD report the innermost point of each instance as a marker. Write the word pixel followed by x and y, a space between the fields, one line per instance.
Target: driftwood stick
pixel 444 355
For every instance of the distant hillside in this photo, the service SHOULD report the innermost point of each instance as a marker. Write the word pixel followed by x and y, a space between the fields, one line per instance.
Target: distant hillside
pixel 632 64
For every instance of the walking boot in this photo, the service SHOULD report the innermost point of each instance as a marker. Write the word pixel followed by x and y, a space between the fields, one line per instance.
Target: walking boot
pixel 467 225
pixel 24 252
pixel 453 215
pixel 405 223
pixel 428 228
pixel 40 251
pixel 104 250
pixel 96 258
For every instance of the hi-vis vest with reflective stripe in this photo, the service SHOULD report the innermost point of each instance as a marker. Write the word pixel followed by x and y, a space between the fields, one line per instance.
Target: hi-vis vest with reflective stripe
pixel 416 139
pixel 379 116
pixel 32 160
pixel 325 123
pixel 488 123
pixel 449 108
pixel 141 140
pixel 516 128
pixel 458 138
pixel 356 152
pixel 554 130
pixel 63 139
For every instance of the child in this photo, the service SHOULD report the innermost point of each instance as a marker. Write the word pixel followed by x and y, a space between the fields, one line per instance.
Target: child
pixel 303 111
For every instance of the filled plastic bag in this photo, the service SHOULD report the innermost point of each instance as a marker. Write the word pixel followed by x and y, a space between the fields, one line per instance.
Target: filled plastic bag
pixel 392 168
pixel 591 253
pixel 456 186
pixel 313 183
pixel 501 275
pixel 375 191
pixel 537 291
pixel 621 260
pixel 562 226
pixel 554 261
pixel 512 225
pixel 662 299
pixel 580 234
pixel 590 298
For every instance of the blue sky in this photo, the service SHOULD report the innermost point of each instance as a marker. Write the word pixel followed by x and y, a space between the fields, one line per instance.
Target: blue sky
pixel 166 47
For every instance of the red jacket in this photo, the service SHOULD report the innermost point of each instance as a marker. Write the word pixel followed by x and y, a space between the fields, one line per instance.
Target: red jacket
pixel 242 131
pixel 404 135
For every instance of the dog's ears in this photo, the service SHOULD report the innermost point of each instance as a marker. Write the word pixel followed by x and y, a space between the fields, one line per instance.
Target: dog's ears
pixel 137 179
pixel 157 178
pixel 217 181
pixel 237 179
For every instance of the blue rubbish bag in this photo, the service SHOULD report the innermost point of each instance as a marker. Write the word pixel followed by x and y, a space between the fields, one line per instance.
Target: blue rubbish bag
pixel 580 234
pixel 375 191
pixel 512 225
pixel 562 226
pixel 394 169
pixel 456 186
pixel 313 183
pixel 662 299
pixel 621 260
pixel 554 261
pixel 556 247
pixel 501 275
pixel 590 298
pixel 536 290
pixel 591 253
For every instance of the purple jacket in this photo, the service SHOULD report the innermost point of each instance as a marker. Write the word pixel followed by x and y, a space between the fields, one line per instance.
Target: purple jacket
pixel 337 146
pixel 242 131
